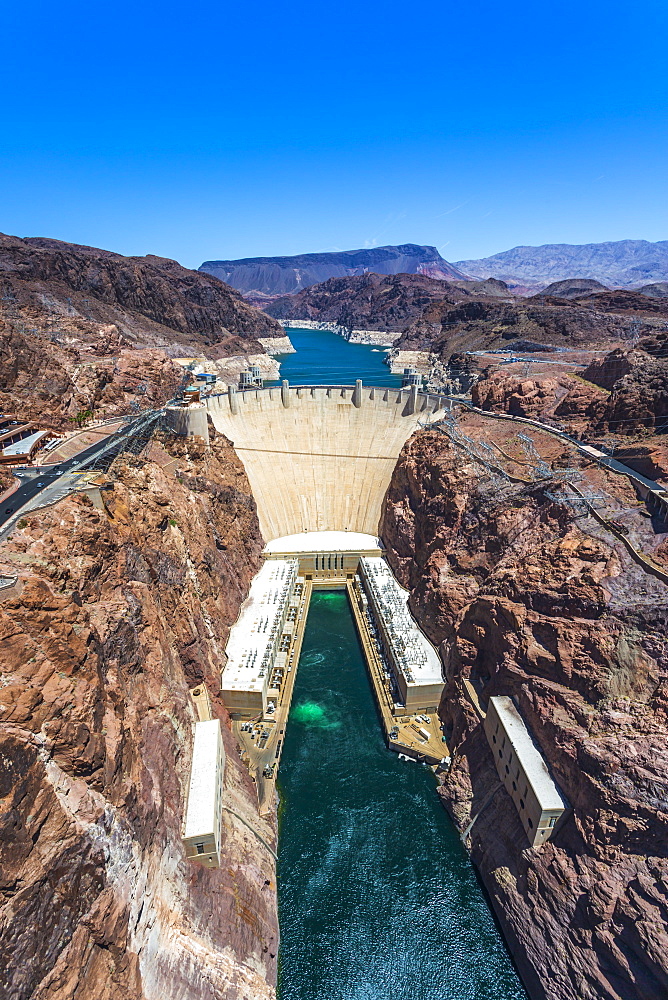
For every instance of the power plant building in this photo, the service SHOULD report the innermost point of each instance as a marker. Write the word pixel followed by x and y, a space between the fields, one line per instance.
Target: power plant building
pixel 326 558
pixel 202 824
pixel 255 639
pixel 415 665
pixel 523 771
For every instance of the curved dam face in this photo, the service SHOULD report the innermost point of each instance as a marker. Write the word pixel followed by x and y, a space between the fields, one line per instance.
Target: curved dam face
pixel 320 458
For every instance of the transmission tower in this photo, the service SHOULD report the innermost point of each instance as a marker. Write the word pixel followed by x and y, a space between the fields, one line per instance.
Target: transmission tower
pixel 540 468
pixel 581 501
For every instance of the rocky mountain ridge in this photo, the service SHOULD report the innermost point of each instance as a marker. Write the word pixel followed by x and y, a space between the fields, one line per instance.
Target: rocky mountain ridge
pixel 118 612
pixel 622 264
pixel 594 318
pixel 272 276
pixel 68 291
pixel 87 329
pixel 378 302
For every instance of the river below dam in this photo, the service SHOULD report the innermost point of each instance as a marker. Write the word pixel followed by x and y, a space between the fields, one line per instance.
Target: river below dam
pixel 377 898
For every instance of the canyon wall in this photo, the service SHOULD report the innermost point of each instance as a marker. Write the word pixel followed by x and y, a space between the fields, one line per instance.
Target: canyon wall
pixel 526 599
pixel 119 609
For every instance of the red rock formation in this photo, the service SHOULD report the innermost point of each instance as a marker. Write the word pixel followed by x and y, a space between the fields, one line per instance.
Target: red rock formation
pixel 564 400
pixel 526 601
pixel 50 383
pixel 119 612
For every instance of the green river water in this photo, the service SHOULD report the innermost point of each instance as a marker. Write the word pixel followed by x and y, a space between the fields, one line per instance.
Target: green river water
pixel 377 897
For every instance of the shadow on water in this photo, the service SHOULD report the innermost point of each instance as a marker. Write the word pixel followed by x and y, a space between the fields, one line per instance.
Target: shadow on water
pixel 377 897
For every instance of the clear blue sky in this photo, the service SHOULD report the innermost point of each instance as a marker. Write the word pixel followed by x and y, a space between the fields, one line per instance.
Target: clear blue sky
pixel 203 130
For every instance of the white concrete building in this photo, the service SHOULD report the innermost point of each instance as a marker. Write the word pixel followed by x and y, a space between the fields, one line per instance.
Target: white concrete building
pixel 202 824
pixel 523 771
pixel 255 638
pixel 414 661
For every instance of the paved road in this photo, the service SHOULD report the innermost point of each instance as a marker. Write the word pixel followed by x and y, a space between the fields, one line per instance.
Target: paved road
pixel 50 483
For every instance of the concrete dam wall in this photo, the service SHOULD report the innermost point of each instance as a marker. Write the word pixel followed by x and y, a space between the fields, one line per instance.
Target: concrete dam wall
pixel 320 458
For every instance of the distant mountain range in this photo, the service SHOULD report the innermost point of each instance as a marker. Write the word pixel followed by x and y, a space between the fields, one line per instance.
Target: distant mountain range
pixel 623 264
pixel 526 270
pixel 272 276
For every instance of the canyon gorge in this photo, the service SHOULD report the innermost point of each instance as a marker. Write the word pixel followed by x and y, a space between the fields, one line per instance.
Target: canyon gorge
pixel 120 607
pixel 524 597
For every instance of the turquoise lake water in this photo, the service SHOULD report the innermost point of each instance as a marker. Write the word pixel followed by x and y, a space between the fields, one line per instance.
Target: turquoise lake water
pixel 324 358
pixel 377 897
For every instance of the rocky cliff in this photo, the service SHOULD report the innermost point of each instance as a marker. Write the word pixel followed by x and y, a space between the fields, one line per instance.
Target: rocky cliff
pixel 51 383
pixel 271 276
pixel 561 400
pixel 528 600
pixel 119 611
pixel 620 399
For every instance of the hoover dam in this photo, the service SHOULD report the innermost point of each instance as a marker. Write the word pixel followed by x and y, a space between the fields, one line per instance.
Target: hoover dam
pixel 320 458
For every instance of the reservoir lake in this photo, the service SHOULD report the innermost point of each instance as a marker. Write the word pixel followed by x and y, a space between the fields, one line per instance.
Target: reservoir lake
pixel 324 358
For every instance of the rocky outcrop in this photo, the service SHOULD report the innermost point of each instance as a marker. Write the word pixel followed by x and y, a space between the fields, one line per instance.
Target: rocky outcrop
pixel 117 613
pixel 621 395
pixel 638 384
pixel 69 293
pixel 52 382
pixel 377 302
pixel 566 401
pixel 526 601
pixel 265 277
pixel 573 288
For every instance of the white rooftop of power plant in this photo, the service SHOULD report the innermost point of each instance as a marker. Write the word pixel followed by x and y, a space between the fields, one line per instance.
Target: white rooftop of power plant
pixel 201 813
pixel 251 638
pixel 528 755
pixel 324 541
pixel 414 653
